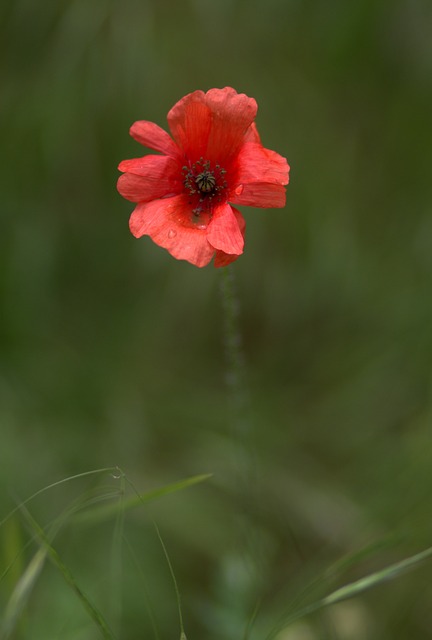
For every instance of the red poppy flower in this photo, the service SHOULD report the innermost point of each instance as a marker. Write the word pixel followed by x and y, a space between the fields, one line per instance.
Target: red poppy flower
pixel 213 160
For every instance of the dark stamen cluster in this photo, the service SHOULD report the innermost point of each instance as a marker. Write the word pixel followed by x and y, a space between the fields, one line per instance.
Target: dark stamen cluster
pixel 203 181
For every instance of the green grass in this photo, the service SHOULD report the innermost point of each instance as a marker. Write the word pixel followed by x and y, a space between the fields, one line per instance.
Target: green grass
pixel 84 511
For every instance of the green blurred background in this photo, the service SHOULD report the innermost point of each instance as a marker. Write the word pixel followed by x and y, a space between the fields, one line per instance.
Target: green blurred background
pixel 112 351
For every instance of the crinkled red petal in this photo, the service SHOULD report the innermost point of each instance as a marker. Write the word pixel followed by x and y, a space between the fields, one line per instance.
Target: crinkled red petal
pixel 154 137
pixel 224 232
pixel 149 178
pixel 167 222
pixel 222 259
pixel 261 194
pixel 212 124
pixel 255 163
pixel 189 121
pixel 232 115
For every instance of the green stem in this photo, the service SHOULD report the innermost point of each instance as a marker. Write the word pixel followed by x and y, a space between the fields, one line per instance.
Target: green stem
pixel 245 481
pixel 233 345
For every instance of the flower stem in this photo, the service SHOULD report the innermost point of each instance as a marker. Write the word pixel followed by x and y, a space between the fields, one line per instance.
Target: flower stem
pixel 235 361
pixel 244 476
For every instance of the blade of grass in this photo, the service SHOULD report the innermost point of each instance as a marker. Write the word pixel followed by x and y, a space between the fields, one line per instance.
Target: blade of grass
pixel 146 598
pixel 388 573
pixel 52 554
pixel 25 579
pixel 111 470
pixel 88 499
pixel 11 546
pixel 21 593
pixel 75 511
pixel 326 579
pixel 355 588
pixel 105 512
pixel 174 579
pixel 182 484
pixel 116 563
pixel 250 622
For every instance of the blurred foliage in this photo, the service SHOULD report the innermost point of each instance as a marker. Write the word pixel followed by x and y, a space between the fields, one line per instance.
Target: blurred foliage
pixel 111 351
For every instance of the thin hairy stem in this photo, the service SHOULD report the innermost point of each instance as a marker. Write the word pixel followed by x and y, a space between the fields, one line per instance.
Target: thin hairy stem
pixel 245 480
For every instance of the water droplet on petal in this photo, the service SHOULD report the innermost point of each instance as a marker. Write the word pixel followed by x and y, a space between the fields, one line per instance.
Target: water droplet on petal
pixel 201 226
pixel 172 233
pixel 239 190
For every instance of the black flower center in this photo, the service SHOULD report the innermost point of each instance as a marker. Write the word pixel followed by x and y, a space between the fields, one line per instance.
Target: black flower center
pixel 204 181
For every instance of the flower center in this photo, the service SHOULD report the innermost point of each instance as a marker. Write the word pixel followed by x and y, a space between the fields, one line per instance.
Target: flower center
pixel 204 181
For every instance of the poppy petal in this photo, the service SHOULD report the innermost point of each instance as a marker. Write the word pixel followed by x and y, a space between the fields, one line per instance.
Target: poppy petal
pixel 260 194
pixel 252 134
pixel 153 165
pixel 189 121
pixel 154 137
pixel 148 178
pixel 167 222
pixel 257 164
pixel 224 231
pixel 222 259
pixel 212 124
pixel 232 115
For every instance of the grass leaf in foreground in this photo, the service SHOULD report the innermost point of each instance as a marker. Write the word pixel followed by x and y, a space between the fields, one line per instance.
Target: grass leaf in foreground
pixel 21 593
pixel 355 588
pixel 388 573
pixel 110 470
pixel 46 546
pixel 105 512
pixel 82 510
